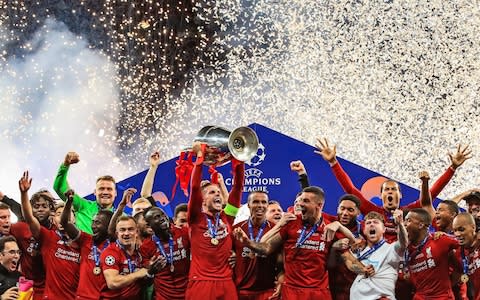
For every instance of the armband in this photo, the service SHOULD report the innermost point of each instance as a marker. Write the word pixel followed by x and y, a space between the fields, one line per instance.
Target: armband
pixel 230 210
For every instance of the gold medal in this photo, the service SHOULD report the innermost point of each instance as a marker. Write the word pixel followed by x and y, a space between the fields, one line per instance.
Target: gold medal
pixel 214 241
pixel 464 278
pixel 97 271
pixel 251 255
pixel 172 268
pixel 406 275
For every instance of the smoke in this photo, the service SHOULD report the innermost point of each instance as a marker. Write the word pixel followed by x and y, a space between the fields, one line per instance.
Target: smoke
pixel 59 96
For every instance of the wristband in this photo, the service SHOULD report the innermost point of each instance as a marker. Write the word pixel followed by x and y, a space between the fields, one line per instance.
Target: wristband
pixel 231 210
pixel 150 275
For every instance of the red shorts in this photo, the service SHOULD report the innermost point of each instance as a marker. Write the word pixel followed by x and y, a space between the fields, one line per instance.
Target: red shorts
pixel 293 293
pixel 262 295
pixel 211 289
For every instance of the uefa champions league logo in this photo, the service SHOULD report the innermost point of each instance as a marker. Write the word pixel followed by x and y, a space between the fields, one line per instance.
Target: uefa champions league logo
pixel 258 158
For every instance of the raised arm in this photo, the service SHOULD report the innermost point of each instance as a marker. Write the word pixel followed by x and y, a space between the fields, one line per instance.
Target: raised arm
pixel 425 196
pixel 15 207
pixel 402 242
pixel 235 195
pixel 127 197
pixel 223 188
pixel 298 167
pixel 24 185
pixel 61 186
pixel 147 186
pixel 69 228
pixel 459 197
pixel 456 160
pixel 329 154
pixel 196 199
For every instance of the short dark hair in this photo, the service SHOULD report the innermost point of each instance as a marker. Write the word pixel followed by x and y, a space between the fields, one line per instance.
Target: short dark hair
pixel 452 206
pixel 318 191
pixel 350 197
pixel 423 214
pixel 271 202
pixel 181 207
pixel 108 214
pixel 45 195
pixel 6 239
pixel 4 206
pixel 391 180
pixel 256 192
pixel 374 215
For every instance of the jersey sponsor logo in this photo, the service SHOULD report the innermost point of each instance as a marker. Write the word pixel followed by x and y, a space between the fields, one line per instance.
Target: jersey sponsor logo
pixel 109 260
pixel 67 255
pixel 474 259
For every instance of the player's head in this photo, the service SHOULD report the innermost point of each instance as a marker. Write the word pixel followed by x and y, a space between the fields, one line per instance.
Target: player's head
pixel 43 206
pixel 257 202
pixel 374 227
pixel 348 209
pixel 417 222
pixel 126 231
pixel 105 191
pixel 464 229
pixel 157 219
pixel 445 213
pixel 181 215
pixel 390 194
pixel 212 197
pixel 274 211
pixel 140 205
pixel 4 219
pixel 311 202
pixel 100 225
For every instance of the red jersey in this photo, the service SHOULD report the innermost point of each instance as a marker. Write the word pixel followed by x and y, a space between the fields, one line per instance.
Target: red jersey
pixel 429 268
pixel 306 265
pixel 62 264
pixel 167 284
pixel 366 206
pixel 90 284
pixel 30 261
pixel 253 272
pixel 340 277
pixel 209 261
pixel 113 257
pixel 473 259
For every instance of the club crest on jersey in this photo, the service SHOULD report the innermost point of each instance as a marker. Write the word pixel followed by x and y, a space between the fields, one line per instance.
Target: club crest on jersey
pixel 109 260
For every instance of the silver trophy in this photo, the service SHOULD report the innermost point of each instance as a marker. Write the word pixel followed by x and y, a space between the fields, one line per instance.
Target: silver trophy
pixel 222 145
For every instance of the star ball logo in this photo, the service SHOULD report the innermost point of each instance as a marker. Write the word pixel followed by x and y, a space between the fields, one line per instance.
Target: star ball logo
pixel 254 181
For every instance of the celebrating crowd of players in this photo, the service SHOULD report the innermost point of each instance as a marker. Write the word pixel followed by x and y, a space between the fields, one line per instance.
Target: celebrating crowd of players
pixel 81 249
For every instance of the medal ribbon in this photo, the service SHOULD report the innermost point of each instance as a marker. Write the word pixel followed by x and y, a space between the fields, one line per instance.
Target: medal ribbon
pixel 213 229
pixel 408 257
pixel 464 261
pixel 162 250
pixel 131 266
pixel 371 250
pixel 303 237
pixel 96 253
pixel 260 231
pixel 359 229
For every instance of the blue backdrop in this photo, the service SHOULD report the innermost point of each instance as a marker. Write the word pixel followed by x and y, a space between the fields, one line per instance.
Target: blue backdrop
pixel 270 170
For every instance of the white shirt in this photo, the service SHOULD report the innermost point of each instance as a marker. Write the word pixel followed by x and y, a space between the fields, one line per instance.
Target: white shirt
pixel 385 260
